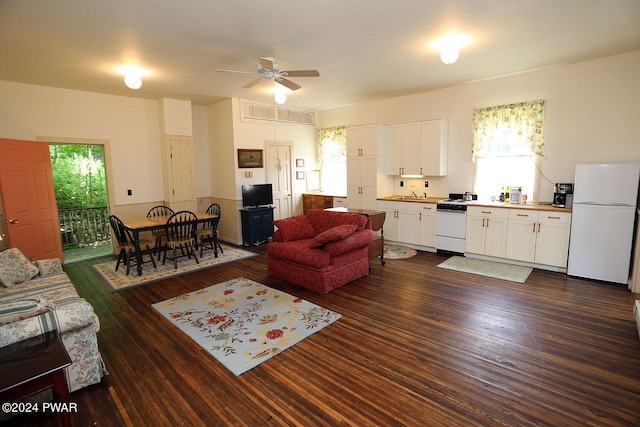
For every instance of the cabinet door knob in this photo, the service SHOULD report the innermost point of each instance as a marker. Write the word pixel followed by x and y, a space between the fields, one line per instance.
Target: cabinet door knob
pixel 13 221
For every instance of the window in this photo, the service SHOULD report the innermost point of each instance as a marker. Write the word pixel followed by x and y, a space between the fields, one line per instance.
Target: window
pixel 332 153
pixel 507 143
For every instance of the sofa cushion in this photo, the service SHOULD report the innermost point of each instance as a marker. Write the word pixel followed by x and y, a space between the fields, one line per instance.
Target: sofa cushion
pixel 15 268
pixel 294 228
pixel 48 267
pixel 323 220
pixel 333 235
pixel 22 309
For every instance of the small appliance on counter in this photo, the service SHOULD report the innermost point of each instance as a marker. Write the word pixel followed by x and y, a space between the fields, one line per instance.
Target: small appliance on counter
pixel 515 196
pixel 562 195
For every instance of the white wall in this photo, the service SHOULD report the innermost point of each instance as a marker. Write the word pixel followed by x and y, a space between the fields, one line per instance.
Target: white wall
pixel 591 115
pixel 130 125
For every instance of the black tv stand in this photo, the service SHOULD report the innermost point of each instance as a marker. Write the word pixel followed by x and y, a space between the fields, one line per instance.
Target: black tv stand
pixel 257 224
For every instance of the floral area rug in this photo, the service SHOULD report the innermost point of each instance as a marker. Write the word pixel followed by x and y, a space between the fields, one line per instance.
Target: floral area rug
pixel 118 280
pixel 398 252
pixel 243 323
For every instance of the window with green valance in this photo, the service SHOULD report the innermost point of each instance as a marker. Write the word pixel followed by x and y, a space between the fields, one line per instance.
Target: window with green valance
pixel 496 128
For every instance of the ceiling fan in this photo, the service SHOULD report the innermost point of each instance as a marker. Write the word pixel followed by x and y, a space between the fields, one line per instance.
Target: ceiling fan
pixel 268 69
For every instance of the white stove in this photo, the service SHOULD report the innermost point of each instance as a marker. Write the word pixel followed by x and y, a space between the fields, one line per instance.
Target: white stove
pixel 451 224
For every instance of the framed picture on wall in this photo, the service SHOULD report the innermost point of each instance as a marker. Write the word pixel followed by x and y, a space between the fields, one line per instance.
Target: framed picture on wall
pixel 248 158
pixel 299 163
pixel 299 175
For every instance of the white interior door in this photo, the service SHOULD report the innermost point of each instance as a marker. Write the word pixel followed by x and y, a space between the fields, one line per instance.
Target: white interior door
pixel 279 176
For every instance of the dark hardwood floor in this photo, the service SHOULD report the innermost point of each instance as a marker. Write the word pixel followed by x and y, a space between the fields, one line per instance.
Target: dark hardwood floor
pixel 417 345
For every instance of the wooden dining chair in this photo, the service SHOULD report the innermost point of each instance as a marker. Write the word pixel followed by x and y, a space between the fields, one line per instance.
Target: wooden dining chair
pixel 181 234
pixel 208 234
pixel 159 234
pixel 126 244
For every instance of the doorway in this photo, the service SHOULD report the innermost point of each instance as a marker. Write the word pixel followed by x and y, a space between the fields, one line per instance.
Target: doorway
pixel 80 185
pixel 279 176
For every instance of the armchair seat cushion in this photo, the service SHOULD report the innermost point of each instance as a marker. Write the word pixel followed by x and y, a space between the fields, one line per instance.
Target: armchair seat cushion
pixel 336 253
pixel 299 252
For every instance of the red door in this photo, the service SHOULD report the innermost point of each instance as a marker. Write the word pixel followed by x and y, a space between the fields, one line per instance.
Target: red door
pixel 28 198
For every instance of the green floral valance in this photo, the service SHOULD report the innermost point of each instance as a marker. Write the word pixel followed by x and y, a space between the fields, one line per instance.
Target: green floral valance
pixel 336 134
pixel 524 120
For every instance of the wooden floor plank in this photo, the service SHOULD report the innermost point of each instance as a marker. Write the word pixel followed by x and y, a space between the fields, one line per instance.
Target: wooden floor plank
pixel 416 345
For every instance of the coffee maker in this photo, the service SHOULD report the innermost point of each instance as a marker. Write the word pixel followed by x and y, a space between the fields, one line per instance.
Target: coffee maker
pixel 562 195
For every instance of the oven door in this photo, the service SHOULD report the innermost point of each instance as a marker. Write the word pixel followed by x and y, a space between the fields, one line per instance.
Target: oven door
pixel 451 228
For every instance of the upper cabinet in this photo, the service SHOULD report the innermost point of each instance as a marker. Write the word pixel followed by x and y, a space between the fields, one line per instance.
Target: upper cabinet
pixel 417 148
pixel 434 137
pixel 366 178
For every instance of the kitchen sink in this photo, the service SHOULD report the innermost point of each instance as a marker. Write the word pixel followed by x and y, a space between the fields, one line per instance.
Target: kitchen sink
pixel 407 198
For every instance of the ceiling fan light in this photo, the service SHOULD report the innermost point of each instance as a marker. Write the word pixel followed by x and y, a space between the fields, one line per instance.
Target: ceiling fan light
pixel 280 97
pixel 449 55
pixel 133 81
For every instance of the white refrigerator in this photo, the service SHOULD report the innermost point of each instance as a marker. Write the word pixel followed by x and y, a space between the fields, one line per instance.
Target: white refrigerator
pixel 605 203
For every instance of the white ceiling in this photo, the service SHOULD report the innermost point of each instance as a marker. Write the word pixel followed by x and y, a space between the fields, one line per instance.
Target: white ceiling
pixel 364 49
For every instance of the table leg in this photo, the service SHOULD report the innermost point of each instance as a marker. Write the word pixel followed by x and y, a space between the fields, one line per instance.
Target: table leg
pixel 136 242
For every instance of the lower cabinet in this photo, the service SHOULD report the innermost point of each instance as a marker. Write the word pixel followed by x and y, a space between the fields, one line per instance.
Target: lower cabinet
pixel 427 220
pixel 541 237
pixel 410 222
pixel 486 231
pixel 257 225
pixel 316 201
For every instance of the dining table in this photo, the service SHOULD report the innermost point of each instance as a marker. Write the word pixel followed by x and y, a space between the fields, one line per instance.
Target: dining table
pixel 139 225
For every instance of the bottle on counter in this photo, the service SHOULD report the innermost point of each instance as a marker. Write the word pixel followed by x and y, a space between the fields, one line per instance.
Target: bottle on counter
pixel 506 194
pixel 501 198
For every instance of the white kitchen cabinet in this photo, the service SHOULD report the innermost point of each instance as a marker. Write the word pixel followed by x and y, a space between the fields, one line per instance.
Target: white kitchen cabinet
pixel 417 148
pixel 401 223
pixel 434 137
pixel 427 224
pixel 403 149
pixel 541 237
pixel 552 245
pixel 522 235
pixel 487 231
pixel 391 220
pixel 366 177
pixel 364 140
pixel 409 222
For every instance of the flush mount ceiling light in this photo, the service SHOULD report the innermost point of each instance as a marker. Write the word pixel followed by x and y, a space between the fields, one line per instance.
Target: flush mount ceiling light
pixel 132 75
pixel 449 46
pixel 133 81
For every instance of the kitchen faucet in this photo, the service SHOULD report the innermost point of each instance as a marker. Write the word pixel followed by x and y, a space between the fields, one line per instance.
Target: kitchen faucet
pixel 414 194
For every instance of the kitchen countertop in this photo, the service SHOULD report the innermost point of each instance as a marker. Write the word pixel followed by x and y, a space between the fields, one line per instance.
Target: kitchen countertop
pixel 411 199
pixel 525 206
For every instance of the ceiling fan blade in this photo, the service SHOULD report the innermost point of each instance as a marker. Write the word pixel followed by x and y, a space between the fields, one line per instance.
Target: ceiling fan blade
pixel 288 83
pixel 253 83
pixel 302 73
pixel 235 71
pixel 266 63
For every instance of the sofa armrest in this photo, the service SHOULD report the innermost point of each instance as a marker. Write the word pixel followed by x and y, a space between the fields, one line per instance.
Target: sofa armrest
pixel 63 318
pixel 357 240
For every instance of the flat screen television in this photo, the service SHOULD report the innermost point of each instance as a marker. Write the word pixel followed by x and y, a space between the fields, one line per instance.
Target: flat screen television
pixel 257 195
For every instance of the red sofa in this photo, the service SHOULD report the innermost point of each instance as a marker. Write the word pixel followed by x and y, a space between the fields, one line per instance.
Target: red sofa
pixel 320 250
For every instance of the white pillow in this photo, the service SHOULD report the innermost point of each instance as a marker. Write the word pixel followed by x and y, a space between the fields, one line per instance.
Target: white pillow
pixel 15 268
